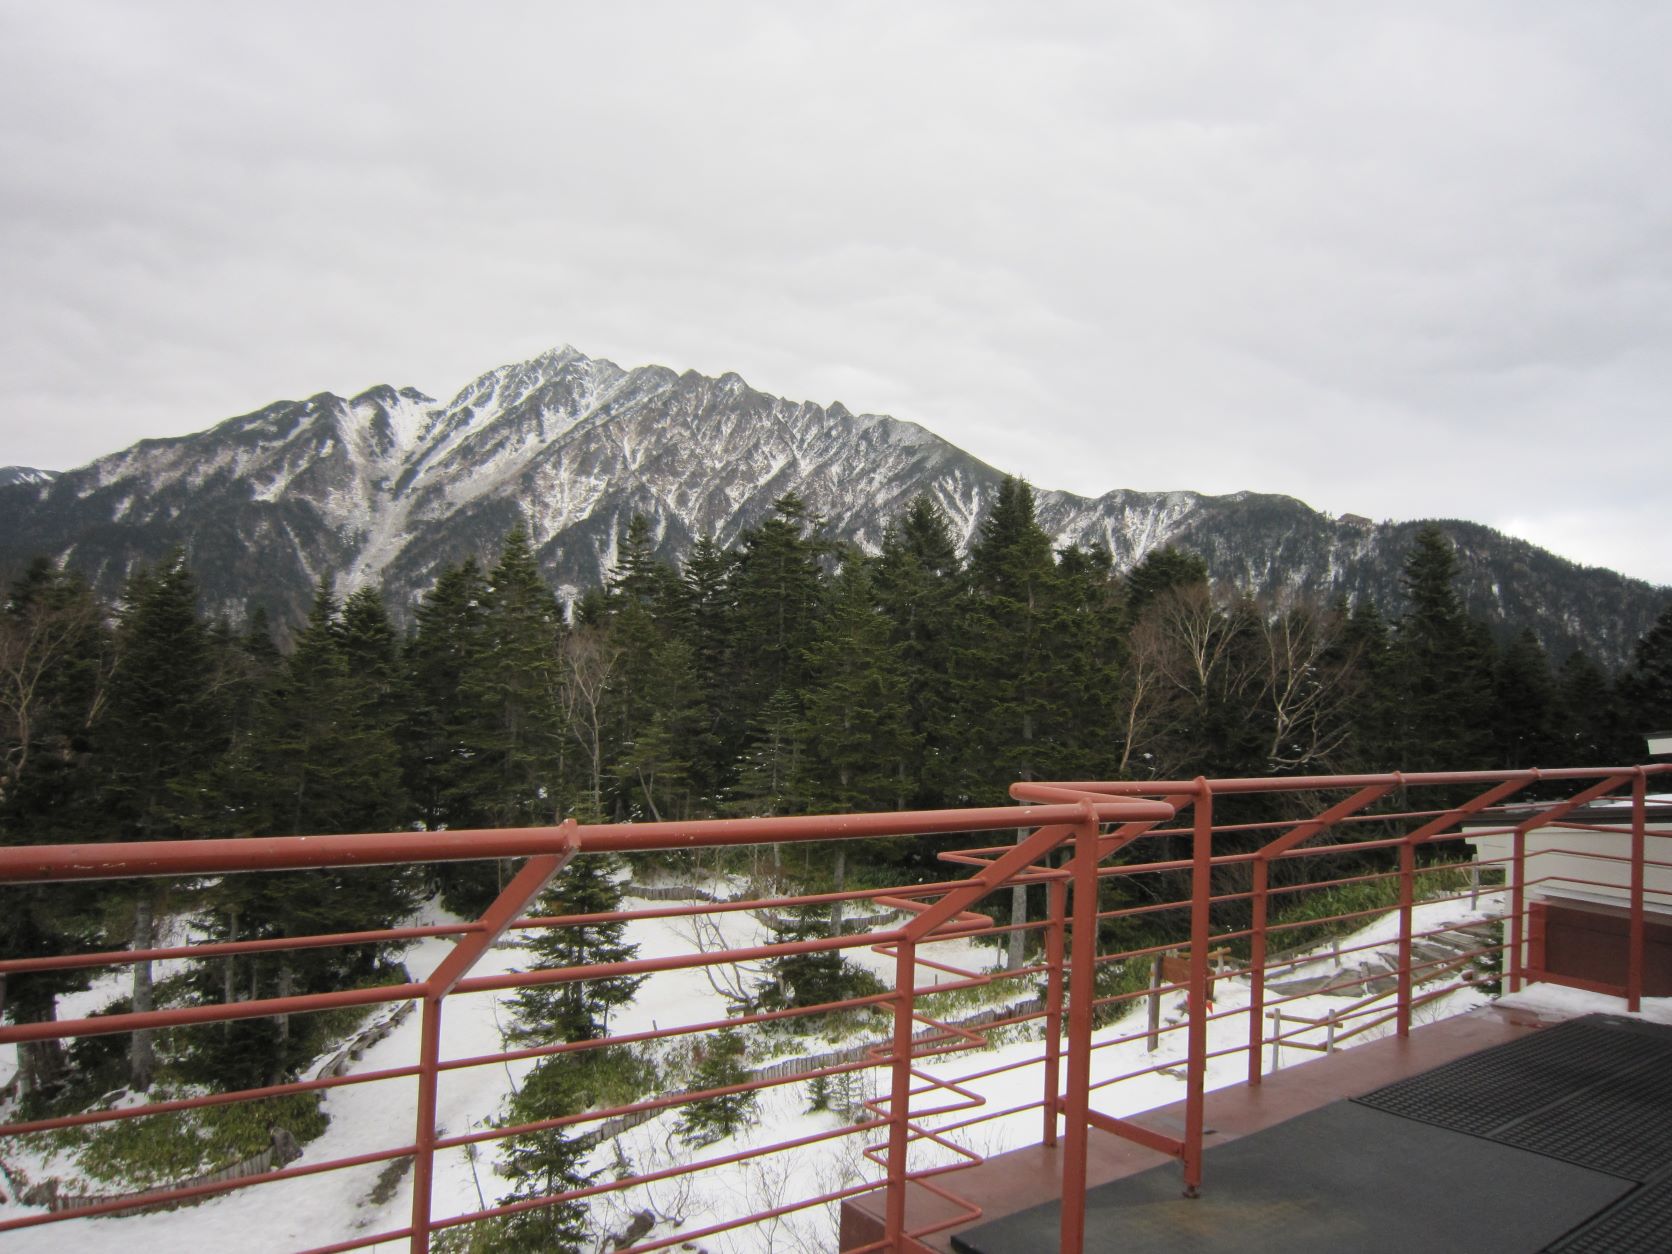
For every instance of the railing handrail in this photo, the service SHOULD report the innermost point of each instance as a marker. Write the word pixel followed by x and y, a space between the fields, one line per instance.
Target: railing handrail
pixel 33 864
pixel 1091 819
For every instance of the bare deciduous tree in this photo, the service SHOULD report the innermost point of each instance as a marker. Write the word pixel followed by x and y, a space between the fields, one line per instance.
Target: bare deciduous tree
pixel 588 660
pixel 34 640
pixel 1307 684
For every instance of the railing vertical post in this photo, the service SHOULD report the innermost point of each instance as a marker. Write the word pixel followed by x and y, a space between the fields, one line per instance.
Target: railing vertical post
pixel 1639 852
pixel 1201 908
pixel 502 912
pixel 1058 910
pixel 1517 906
pixel 1257 971
pixel 423 1165
pixel 1407 899
pixel 899 1101
pixel 1082 991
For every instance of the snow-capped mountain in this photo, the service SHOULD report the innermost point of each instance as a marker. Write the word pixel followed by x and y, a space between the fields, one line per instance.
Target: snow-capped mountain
pixel 391 485
pixel 25 474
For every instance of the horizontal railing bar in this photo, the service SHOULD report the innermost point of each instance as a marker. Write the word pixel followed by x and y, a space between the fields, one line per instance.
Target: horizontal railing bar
pixel 208 1099
pixel 227 949
pixel 125 859
pixel 144 1201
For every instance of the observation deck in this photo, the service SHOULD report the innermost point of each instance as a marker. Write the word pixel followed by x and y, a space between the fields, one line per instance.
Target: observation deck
pixel 1177 950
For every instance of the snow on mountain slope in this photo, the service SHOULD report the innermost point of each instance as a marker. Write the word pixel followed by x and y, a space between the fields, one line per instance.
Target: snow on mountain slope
pixel 390 486
pixel 25 475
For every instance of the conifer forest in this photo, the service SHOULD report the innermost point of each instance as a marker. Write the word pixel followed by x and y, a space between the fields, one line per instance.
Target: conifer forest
pixel 785 675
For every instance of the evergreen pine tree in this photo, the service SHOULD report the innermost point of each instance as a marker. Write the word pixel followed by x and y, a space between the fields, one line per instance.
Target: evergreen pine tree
pixel 1156 572
pixel 1008 690
pixel 577 1010
pixel 546 1162
pixel 769 776
pixel 1008 666
pixel 1442 666
pixel 163 728
pixel 776 592
pixel 651 690
pixel 1090 654
pixel 855 730
pixel 442 714
pixel 1526 706
pixel 657 766
pixel 1367 644
pixel 1588 716
pixel 700 616
pixel 321 758
pixel 514 682
pixel 540 1164
pixel 855 724
pixel 919 586
pixel 714 1118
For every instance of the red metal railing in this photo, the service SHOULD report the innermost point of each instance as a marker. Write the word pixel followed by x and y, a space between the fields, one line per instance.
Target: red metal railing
pixel 1186 866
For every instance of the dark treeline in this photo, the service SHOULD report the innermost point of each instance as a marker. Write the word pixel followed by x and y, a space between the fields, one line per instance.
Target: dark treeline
pixel 785 675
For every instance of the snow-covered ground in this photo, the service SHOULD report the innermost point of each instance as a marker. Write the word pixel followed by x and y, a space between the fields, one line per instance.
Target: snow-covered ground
pixel 317 1210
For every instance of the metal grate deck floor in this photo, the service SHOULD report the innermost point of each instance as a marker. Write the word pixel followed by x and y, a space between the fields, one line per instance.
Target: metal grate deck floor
pixel 1487 1092
pixel 1639 1224
pixel 1560 1141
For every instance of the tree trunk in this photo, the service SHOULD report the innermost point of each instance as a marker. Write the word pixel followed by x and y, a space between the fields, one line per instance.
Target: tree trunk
pixel 142 1050
pixel 41 1065
pixel 1017 942
pixel 229 970
pixel 1016 949
pixel 287 986
pixel 840 874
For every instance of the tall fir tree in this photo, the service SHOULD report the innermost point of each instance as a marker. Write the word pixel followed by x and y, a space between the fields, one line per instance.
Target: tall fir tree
pixel 1367 643
pixel 322 758
pixel 442 712
pixel 163 728
pixel 1588 715
pixel 855 726
pixel 1008 673
pixel 776 593
pixel 1008 668
pixel 1527 706
pixel 701 617
pixel 646 717
pixel 514 680
pixel 1443 666
pixel 919 586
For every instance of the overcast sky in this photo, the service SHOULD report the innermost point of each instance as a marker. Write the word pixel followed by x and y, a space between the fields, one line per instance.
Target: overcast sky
pixel 1403 260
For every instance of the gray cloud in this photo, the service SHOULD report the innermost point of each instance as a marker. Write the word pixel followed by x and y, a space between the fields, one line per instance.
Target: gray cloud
pixel 1403 261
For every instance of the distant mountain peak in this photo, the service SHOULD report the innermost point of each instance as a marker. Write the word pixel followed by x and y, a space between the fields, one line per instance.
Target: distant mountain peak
pixel 390 486
pixel 25 474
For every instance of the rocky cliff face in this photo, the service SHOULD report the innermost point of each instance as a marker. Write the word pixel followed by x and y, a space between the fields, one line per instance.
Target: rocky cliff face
pixel 391 485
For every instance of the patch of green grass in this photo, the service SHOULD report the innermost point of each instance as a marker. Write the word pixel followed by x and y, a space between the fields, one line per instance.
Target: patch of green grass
pixel 150 1152
pixel 1322 904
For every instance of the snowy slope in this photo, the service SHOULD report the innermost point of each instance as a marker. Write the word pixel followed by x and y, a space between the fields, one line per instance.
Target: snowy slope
pixel 313 1211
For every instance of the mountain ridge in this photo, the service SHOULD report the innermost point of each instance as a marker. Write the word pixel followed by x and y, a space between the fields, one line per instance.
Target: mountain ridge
pixel 390 485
